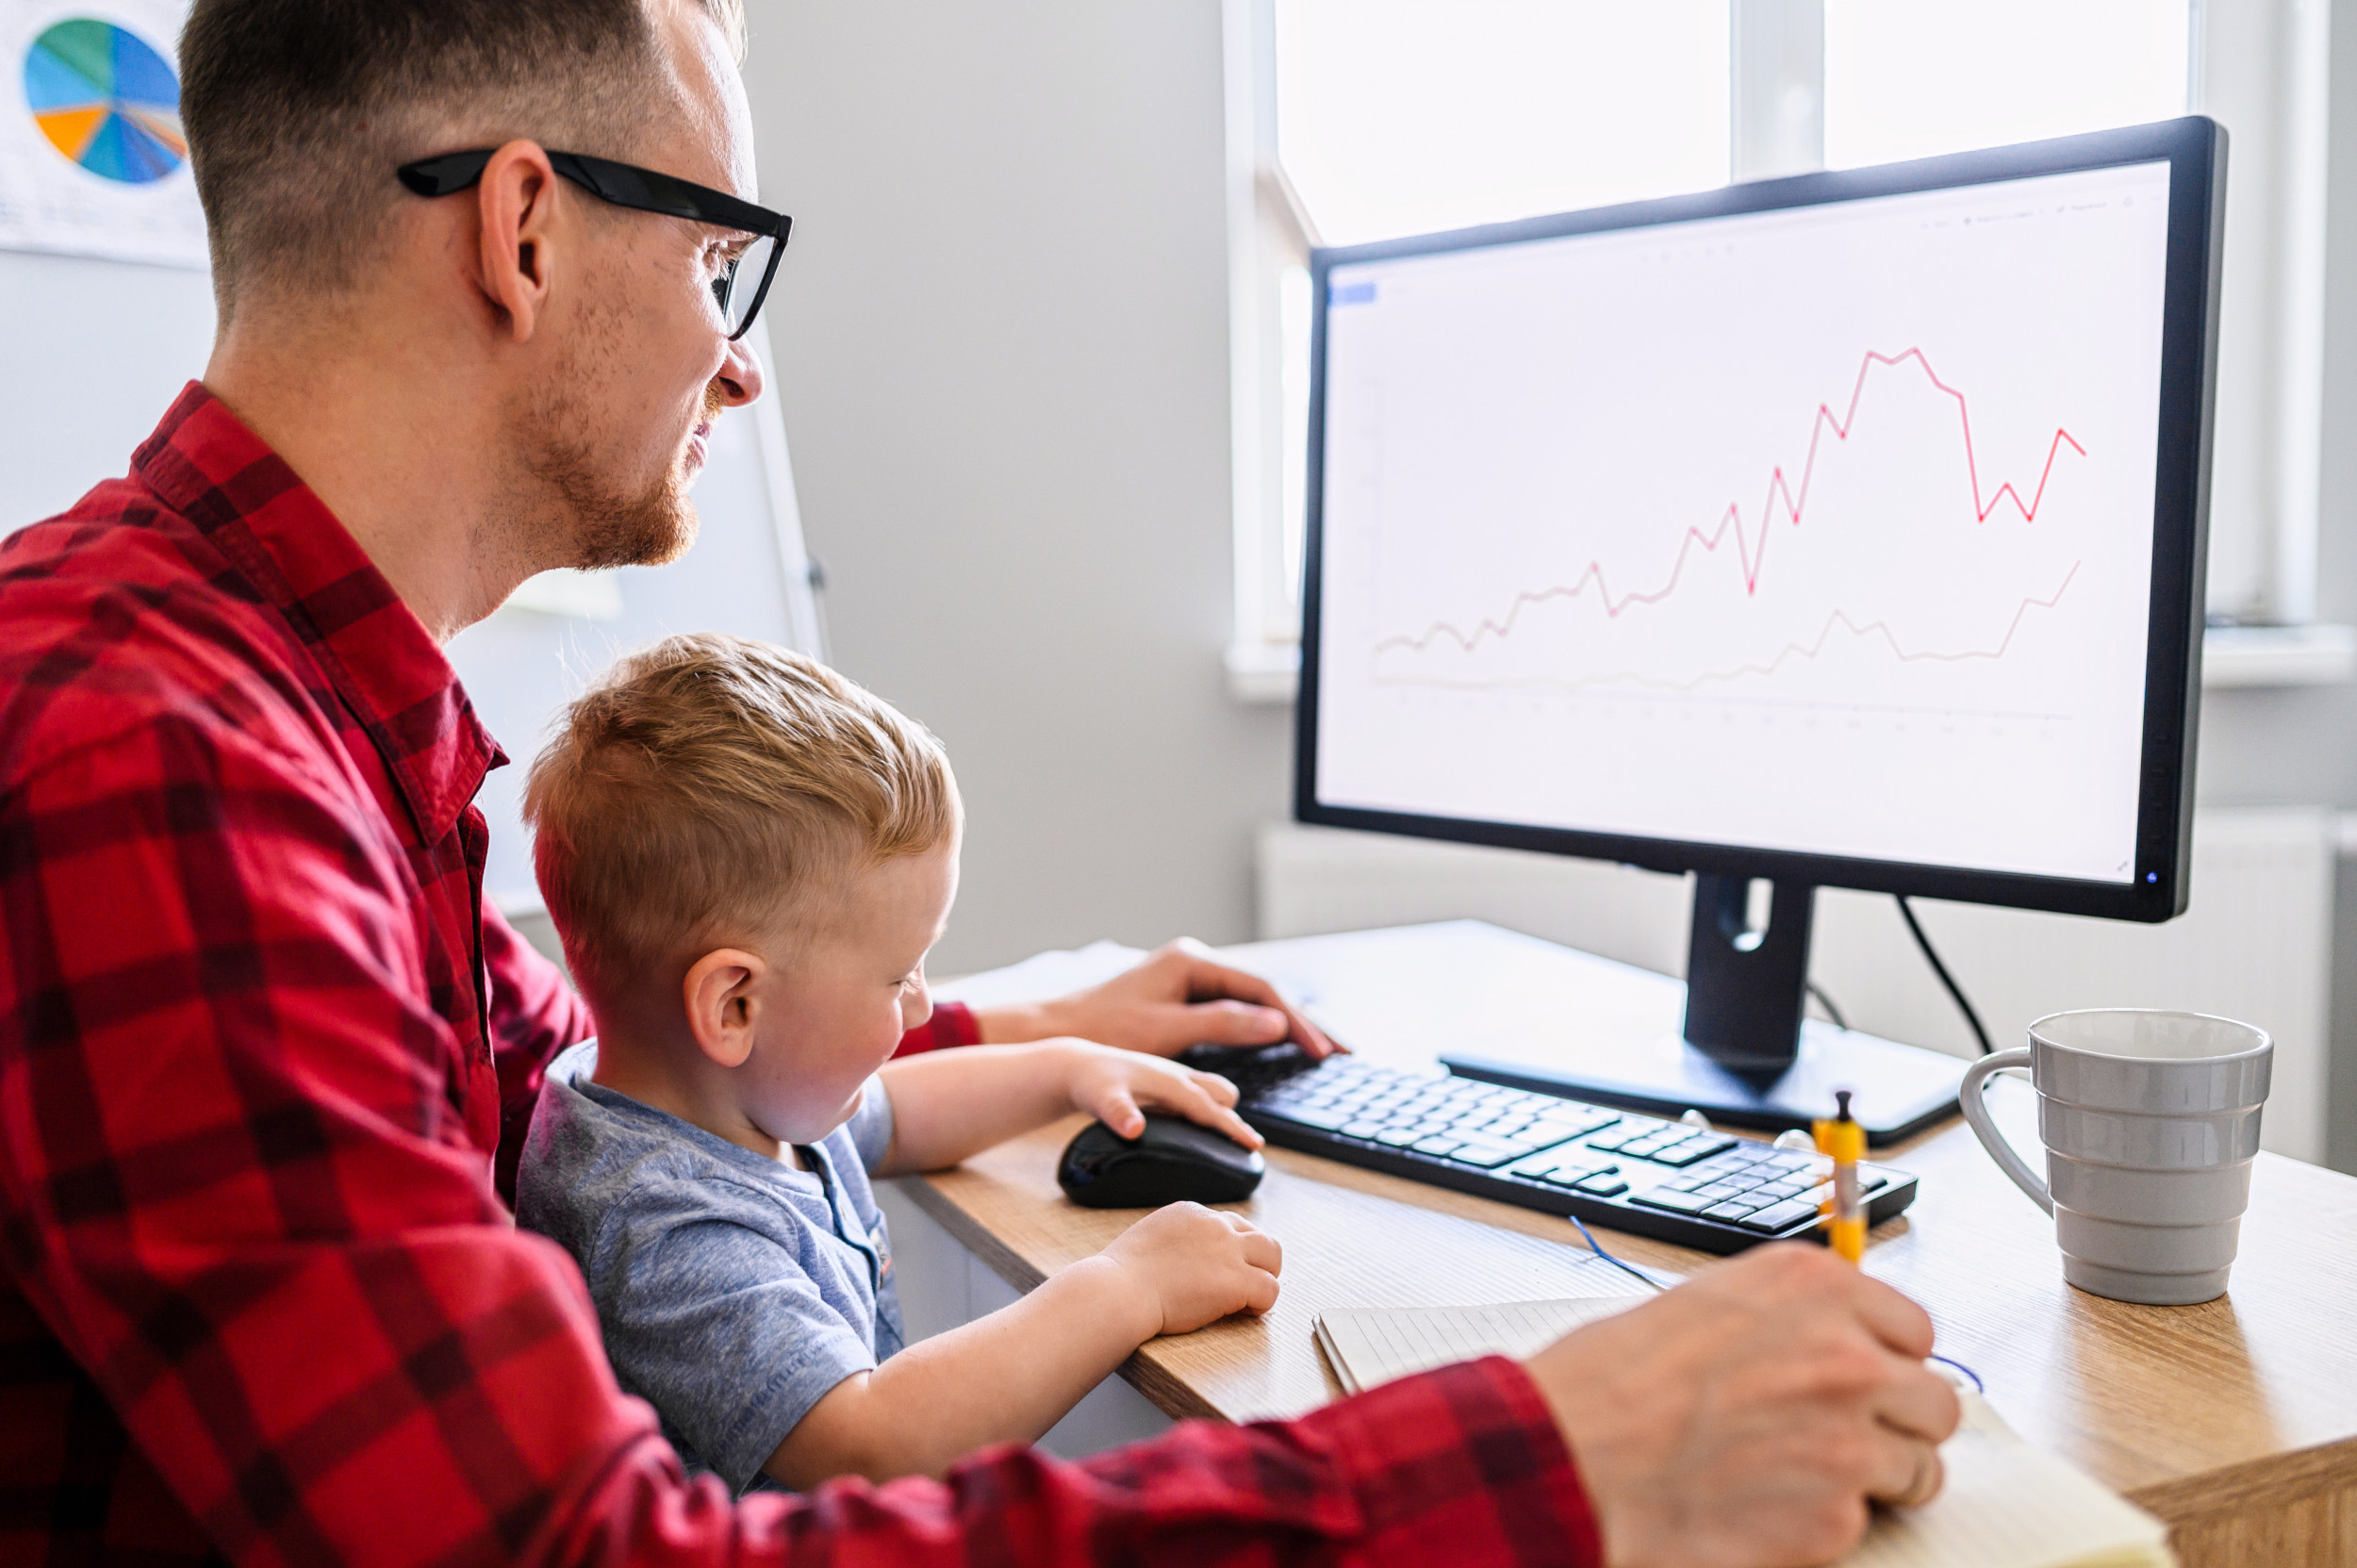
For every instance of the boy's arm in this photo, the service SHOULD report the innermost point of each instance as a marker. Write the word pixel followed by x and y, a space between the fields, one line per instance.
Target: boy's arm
pixel 947 1105
pixel 1009 1376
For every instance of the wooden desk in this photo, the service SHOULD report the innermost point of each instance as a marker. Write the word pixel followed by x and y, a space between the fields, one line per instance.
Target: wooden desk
pixel 2236 1421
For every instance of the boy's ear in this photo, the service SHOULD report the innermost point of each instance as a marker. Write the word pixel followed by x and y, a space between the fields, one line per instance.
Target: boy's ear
pixel 721 1009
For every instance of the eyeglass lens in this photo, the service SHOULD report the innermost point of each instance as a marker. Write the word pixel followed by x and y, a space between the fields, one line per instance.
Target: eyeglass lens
pixel 740 287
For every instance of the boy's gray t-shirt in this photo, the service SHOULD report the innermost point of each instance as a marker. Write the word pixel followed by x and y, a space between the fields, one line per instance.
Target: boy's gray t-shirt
pixel 734 1291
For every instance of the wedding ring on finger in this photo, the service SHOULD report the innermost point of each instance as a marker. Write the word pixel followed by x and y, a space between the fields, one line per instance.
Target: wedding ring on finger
pixel 1925 1486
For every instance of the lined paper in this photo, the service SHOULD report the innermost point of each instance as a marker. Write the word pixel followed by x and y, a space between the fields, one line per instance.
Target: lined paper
pixel 2005 1504
pixel 1367 1345
pixel 2008 1505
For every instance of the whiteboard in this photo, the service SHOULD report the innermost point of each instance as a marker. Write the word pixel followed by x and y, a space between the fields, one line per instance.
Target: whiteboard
pixel 92 354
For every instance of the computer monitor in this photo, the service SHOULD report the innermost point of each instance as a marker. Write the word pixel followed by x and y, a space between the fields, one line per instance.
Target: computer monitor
pixel 1845 530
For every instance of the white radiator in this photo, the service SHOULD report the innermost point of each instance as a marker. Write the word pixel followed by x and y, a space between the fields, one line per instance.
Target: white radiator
pixel 2255 945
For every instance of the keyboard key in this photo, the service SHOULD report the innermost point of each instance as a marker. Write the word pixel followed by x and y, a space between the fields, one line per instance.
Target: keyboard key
pixel 1360 1128
pixel 1684 1184
pixel 1734 1210
pixel 1400 1137
pixel 1443 1145
pixel 1485 1156
pixel 1693 1150
pixel 1718 1191
pixel 1539 1167
pixel 1318 1116
pixel 1778 1190
pixel 1822 1193
pixel 1602 1185
pixel 1557 1129
pixel 1778 1216
pixel 1684 1203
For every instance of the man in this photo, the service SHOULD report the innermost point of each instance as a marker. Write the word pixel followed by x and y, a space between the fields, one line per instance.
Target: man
pixel 257 1030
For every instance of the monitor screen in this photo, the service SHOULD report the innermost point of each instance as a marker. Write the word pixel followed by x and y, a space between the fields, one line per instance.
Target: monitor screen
pixel 1822 530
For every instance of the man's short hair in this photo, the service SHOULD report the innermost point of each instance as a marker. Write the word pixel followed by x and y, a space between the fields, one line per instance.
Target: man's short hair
pixel 298 111
pixel 712 787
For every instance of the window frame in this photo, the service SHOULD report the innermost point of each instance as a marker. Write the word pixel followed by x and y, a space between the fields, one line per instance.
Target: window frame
pixel 2261 67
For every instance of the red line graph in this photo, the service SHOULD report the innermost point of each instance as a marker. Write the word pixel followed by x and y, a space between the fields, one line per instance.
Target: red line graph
pixel 1754 557
pixel 1791 650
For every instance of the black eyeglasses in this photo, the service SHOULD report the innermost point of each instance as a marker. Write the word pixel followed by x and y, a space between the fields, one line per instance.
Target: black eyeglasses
pixel 644 190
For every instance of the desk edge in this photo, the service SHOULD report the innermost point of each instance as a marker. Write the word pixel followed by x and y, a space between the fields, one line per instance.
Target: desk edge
pixel 1163 1388
pixel 2274 1481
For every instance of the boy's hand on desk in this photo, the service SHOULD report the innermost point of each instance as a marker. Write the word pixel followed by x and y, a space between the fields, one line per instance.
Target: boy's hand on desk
pixel 1178 997
pixel 1192 1265
pixel 1744 1420
pixel 1112 1084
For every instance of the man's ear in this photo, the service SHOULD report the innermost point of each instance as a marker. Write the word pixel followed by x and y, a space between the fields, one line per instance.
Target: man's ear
pixel 721 1008
pixel 517 200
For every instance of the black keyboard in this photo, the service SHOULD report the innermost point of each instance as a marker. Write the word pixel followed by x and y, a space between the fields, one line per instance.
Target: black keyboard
pixel 1687 1184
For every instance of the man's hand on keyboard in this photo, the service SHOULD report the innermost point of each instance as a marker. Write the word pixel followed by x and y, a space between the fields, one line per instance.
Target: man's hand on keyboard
pixel 1744 1420
pixel 1179 997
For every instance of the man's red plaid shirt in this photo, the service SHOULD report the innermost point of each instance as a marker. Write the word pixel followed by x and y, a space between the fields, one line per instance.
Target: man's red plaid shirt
pixel 257 1037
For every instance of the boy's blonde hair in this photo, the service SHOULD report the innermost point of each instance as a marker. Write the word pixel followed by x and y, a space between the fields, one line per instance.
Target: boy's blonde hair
pixel 709 786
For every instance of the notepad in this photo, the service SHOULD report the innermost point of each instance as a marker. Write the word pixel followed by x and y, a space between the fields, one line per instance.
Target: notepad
pixel 2005 1504
pixel 1370 1346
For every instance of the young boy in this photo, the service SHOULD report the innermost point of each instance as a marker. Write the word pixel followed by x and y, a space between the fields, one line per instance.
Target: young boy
pixel 748 857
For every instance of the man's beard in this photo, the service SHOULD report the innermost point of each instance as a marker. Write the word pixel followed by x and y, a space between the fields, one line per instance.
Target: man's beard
pixel 581 516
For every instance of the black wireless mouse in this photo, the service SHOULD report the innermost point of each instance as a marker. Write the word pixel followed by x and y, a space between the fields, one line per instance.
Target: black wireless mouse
pixel 1173 1161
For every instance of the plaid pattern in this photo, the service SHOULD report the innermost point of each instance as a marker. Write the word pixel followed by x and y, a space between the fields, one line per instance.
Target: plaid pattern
pixel 262 1302
pixel 953 1024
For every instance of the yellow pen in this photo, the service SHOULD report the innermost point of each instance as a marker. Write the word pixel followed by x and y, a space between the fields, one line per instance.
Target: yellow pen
pixel 1843 1140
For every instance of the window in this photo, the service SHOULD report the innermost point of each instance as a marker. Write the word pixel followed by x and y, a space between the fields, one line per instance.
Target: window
pixel 1408 116
pixel 1908 79
pixel 1357 119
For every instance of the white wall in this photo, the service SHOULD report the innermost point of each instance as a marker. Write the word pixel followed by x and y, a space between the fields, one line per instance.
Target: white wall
pixel 1002 345
pixel 92 354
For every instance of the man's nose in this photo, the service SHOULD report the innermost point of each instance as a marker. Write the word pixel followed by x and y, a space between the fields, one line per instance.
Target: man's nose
pixel 740 378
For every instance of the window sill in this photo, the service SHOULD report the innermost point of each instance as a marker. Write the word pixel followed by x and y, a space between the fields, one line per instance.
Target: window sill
pixel 1265 673
pixel 2278 657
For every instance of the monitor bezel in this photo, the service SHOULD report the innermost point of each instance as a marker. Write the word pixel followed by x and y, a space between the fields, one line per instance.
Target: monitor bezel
pixel 2195 150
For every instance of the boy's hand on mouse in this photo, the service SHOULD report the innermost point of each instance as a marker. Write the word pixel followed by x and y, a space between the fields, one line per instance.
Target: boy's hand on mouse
pixel 1111 1085
pixel 1194 1266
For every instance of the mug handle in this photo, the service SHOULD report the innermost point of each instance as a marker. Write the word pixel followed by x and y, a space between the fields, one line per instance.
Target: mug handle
pixel 1969 1098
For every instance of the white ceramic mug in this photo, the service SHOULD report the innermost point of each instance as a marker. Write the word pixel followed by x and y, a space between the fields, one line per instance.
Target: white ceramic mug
pixel 2151 1121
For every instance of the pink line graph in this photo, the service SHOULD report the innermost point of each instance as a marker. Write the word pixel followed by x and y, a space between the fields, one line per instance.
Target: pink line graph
pixel 1791 650
pixel 1753 557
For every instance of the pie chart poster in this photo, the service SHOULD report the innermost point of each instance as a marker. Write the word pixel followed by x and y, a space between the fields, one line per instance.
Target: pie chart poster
pixel 92 160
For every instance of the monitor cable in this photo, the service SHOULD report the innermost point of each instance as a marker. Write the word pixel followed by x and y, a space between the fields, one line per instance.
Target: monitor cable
pixel 1906 912
pixel 1826 1003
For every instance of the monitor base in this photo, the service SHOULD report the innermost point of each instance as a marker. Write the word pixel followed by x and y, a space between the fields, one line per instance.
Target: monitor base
pixel 1897 1090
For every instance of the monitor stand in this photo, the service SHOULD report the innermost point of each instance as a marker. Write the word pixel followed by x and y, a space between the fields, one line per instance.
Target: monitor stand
pixel 1748 1057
